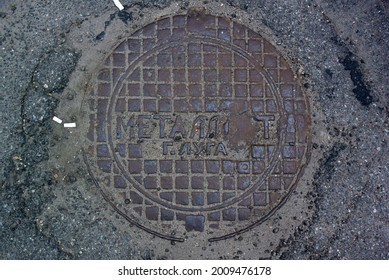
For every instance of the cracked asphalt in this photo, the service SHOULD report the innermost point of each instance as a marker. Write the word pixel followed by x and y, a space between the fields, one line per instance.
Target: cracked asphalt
pixel 49 206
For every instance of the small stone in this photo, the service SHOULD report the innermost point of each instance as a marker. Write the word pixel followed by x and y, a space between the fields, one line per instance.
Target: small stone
pixel 70 96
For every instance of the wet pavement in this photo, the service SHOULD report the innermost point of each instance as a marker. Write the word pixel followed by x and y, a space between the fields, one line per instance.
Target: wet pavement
pixel 204 129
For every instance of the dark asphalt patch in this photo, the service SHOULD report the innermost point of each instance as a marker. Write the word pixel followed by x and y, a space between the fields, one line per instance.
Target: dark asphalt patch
pixel 123 15
pixel 361 91
pixel 326 168
pixel 52 73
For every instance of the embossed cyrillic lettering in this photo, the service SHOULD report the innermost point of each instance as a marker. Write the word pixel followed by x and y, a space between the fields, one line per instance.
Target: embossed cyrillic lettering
pixel 265 120
pixel 198 127
pixel 143 126
pixel 128 127
pixel 220 149
pixel 178 128
pixel 165 147
pixel 162 123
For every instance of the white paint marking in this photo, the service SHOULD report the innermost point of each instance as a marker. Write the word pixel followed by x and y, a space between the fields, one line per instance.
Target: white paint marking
pixel 57 120
pixel 118 4
pixel 69 124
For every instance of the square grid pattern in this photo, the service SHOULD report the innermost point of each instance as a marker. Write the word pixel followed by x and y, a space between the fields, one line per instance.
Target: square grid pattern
pixel 190 78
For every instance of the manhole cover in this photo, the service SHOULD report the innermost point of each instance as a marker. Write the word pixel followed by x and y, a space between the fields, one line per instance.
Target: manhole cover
pixel 197 125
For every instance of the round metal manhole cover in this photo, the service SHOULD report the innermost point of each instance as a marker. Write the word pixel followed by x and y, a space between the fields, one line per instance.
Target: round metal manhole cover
pixel 196 124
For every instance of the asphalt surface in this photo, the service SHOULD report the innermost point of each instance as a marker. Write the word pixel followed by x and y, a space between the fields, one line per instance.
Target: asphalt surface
pixel 49 206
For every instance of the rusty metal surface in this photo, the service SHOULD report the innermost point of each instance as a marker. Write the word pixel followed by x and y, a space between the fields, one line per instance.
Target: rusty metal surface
pixel 197 126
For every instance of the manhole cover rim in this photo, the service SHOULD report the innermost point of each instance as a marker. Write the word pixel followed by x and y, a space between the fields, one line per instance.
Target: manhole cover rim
pixel 304 160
